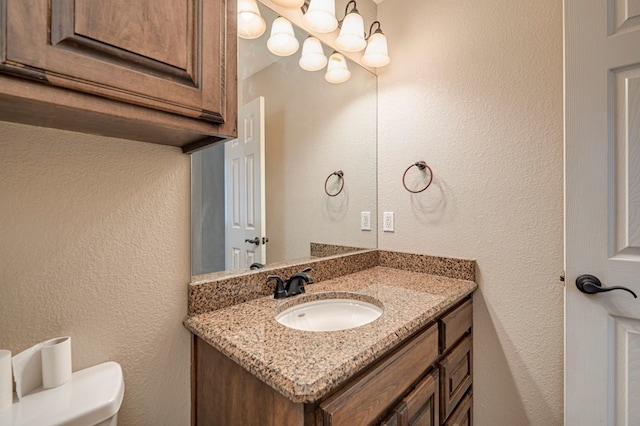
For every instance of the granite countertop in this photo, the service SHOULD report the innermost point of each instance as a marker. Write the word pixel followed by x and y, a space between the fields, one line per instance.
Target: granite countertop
pixel 304 366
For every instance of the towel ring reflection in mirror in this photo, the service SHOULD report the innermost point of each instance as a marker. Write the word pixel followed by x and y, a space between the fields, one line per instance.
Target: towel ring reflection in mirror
pixel 340 175
pixel 422 166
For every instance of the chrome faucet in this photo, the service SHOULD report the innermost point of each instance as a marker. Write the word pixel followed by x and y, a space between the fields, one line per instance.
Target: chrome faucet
pixel 292 286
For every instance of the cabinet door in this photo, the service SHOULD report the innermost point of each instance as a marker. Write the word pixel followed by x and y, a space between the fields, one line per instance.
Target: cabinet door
pixel 463 414
pixel 167 55
pixel 397 417
pixel 422 403
pixel 456 375
pixel 420 407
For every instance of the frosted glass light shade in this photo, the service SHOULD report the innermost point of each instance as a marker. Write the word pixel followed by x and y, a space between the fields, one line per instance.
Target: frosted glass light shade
pixel 376 54
pixel 250 23
pixel 282 41
pixel 312 58
pixel 351 37
pixel 337 70
pixel 321 16
pixel 291 4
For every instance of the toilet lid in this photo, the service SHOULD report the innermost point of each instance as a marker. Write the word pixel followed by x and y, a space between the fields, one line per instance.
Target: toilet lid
pixel 91 396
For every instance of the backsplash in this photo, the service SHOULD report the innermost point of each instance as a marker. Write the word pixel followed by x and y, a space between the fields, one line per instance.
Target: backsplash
pixel 322 250
pixel 211 292
pixel 462 269
pixel 216 291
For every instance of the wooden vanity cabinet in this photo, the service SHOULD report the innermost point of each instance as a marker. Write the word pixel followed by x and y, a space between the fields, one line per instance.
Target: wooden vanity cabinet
pixel 456 363
pixel 367 398
pixel 463 414
pixel 157 70
pixel 455 324
pixel 426 381
pixel 420 407
pixel 456 373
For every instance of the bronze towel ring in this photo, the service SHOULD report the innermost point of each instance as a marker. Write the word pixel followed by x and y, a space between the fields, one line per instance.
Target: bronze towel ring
pixel 421 165
pixel 340 175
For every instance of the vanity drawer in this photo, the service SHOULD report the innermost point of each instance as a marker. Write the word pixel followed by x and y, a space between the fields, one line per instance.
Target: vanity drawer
pixel 463 415
pixel 422 403
pixel 456 372
pixel 368 398
pixel 454 325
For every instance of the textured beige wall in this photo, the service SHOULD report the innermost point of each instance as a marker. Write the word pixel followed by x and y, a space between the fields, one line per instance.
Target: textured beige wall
pixel 95 245
pixel 475 89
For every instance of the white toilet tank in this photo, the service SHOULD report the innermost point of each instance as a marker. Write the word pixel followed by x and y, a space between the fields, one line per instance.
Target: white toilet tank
pixel 91 398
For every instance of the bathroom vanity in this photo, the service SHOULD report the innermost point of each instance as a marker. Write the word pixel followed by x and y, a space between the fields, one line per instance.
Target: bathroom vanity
pixel 412 365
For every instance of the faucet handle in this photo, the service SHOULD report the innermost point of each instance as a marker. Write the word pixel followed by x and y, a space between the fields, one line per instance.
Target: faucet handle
pixel 303 273
pixel 279 292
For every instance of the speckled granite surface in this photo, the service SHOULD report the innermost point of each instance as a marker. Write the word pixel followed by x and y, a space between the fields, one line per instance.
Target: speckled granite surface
pixel 322 250
pixel 227 288
pixel 304 366
pixel 446 266
pixel 222 289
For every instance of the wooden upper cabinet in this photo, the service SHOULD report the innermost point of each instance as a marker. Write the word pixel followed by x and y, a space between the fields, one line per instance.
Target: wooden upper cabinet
pixel 145 52
pixel 173 56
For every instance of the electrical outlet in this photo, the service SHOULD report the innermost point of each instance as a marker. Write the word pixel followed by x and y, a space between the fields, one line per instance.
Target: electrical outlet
pixel 387 222
pixel 365 221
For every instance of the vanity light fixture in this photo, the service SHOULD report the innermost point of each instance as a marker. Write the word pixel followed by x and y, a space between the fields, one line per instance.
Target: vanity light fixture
pixel 320 16
pixel 312 58
pixel 283 41
pixel 251 25
pixel 291 4
pixel 377 54
pixel 351 37
pixel 337 70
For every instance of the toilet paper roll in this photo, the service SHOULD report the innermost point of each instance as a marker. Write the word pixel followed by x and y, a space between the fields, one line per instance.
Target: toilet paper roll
pixel 6 380
pixel 27 370
pixel 56 362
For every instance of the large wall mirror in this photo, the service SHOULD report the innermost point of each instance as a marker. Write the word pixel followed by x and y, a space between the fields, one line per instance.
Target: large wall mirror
pixel 261 199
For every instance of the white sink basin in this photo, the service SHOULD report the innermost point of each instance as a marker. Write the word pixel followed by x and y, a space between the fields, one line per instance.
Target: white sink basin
pixel 329 315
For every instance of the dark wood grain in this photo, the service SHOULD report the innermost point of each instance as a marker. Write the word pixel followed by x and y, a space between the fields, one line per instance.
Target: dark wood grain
pixel 411 385
pixel 456 372
pixel 227 394
pixel 366 400
pixel 155 71
pixel 463 415
pixel 162 30
pixel 455 324
pixel 393 418
pixel 423 402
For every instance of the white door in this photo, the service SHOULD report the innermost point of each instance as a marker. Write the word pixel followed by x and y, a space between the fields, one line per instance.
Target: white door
pixel 245 229
pixel 602 142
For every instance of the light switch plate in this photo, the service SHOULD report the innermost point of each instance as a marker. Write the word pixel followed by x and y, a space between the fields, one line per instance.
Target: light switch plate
pixel 365 221
pixel 387 222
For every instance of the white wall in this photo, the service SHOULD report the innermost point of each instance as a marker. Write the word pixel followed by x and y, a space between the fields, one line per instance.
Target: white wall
pixel 94 244
pixel 475 89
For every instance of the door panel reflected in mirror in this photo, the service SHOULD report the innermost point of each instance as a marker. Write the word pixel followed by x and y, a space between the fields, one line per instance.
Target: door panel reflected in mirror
pixel 275 201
